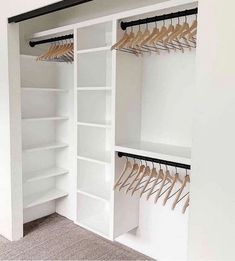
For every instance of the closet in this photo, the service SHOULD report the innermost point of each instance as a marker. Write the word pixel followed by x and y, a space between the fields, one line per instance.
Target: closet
pixel 82 120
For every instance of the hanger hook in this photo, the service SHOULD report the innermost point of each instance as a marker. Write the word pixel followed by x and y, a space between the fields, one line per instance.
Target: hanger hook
pixel 156 24
pixel 186 172
pixel 160 166
pixel 152 164
pixel 176 171
pixel 166 167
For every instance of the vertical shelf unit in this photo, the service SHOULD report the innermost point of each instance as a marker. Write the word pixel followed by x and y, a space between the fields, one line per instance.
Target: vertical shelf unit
pixel 94 89
pixel 45 135
pixel 99 208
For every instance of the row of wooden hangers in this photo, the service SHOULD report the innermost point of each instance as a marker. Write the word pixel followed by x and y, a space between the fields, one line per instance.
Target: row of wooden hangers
pixel 139 177
pixel 167 38
pixel 61 51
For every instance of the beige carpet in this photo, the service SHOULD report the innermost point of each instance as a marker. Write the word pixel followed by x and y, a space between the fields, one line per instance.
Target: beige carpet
pixel 57 238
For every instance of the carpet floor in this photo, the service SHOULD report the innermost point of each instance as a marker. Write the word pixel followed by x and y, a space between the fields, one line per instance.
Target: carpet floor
pixel 57 238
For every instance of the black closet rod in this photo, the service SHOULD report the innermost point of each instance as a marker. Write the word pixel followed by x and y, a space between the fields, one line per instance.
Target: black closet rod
pixel 125 25
pixel 51 40
pixel 163 162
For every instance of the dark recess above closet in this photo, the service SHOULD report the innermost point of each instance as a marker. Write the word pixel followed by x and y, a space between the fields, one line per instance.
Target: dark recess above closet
pixel 46 10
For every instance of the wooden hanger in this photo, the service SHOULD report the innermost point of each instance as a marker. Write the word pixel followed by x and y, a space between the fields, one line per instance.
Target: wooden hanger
pixel 68 52
pixel 140 170
pixel 61 53
pixel 192 34
pixel 49 50
pixel 145 35
pixel 127 41
pixel 171 35
pixel 134 170
pixel 124 37
pixel 177 199
pixel 126 167
pixel 56 51
pixel 186 204
pixel 151 176
pixel 156 182
pixel 190 29
pixel 184 27
pixel 167 176
pixel 138 35
pixel 151 36
pixel 145 173
pixel 175 179
pixel 160 35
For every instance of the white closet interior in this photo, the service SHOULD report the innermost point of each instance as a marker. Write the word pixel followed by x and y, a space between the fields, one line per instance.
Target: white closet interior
pixel 76 117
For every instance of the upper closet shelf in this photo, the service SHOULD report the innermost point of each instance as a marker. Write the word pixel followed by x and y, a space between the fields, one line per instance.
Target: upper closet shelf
pixel 32 89
pixel 49 146
pixel 59 118
pixel 159 151
pixel 43 197
pixel 93 50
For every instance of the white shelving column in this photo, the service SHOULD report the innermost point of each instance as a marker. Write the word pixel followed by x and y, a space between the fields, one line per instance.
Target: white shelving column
pixel 94 126
pixel 46 115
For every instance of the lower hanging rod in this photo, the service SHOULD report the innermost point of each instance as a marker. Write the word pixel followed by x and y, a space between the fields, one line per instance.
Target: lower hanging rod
pixel 160 161
pixel 51 40
pixel 125 25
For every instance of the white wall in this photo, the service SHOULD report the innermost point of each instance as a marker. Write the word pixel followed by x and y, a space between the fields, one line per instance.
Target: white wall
pixel 212 212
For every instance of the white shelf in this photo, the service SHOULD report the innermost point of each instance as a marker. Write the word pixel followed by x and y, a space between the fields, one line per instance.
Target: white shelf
pixel 99 161
pixel 59 118
pixel 43 89
pixel 49 146
pixel 94 88
pixel 92 50
pixel 43 197
pixel 97 125
pixel 99 194
pixel 98 224
pixel 44 174
pixel 156 150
